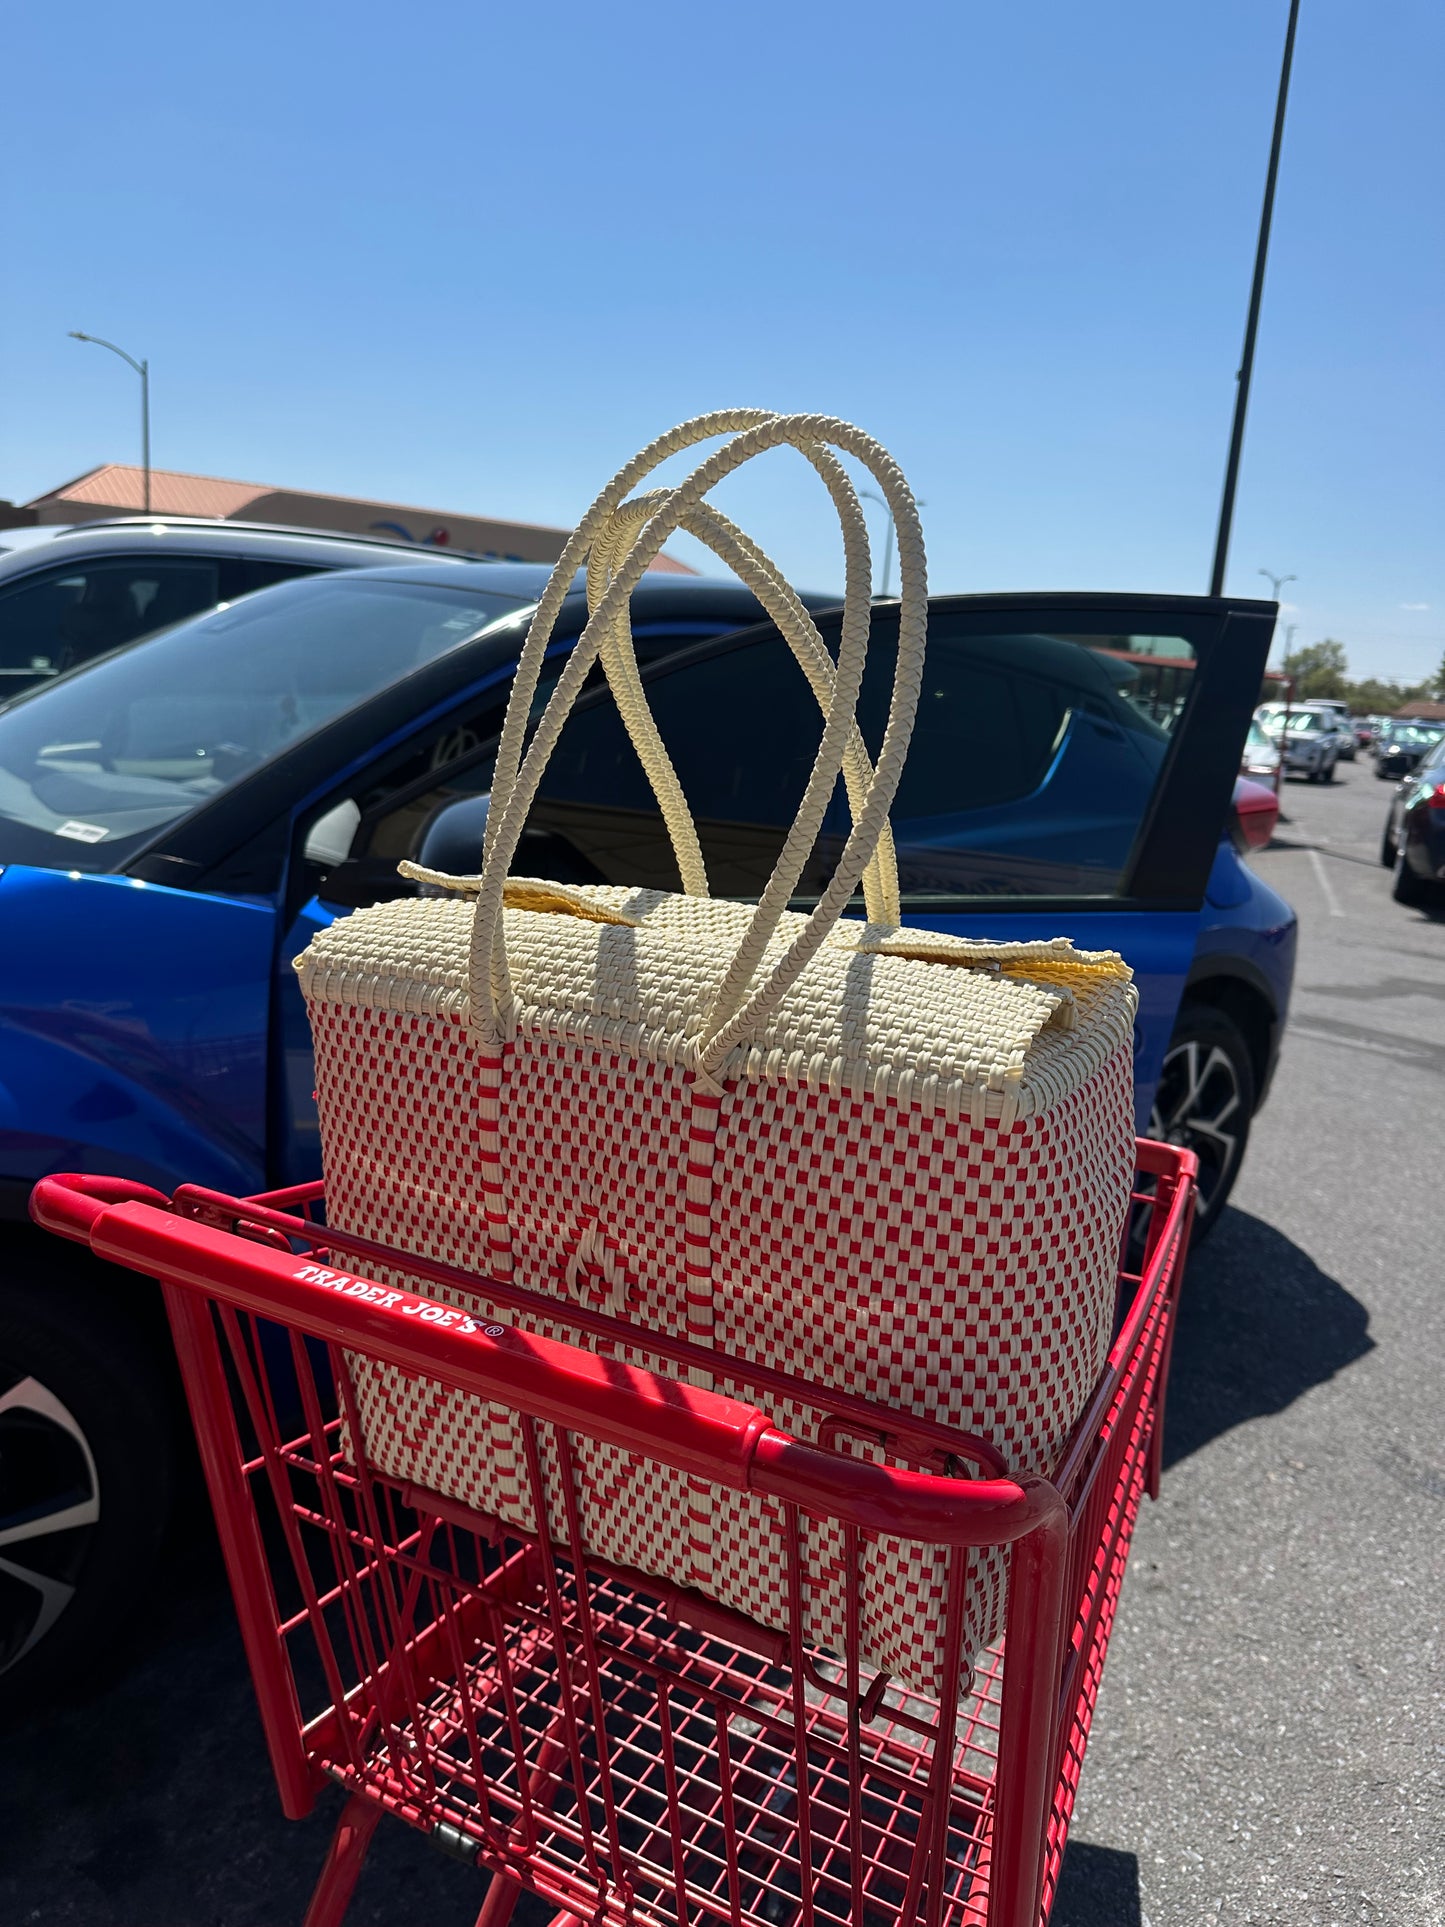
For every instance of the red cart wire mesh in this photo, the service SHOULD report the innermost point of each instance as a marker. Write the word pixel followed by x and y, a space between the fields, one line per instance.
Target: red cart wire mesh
pixel 628 1751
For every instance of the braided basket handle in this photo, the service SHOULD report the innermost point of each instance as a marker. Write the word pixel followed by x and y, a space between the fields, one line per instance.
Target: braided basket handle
pixel 780 601
pixel 738 1003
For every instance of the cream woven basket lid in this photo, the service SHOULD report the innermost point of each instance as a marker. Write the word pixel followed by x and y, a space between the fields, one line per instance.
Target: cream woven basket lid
pixel 1006 1032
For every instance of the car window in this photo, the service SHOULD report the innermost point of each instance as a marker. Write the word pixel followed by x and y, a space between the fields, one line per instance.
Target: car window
pixel 70 614
pixel 1033 764
pixel 94 763
pixel 396 800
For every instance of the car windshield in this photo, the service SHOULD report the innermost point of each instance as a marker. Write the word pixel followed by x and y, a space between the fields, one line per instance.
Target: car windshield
pixel 1302 720
pixel 1256 738
pixel 94 764
pixel 1414 738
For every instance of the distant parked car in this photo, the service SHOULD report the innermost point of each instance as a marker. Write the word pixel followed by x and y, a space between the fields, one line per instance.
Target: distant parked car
pixel 1414 841
pixel 1260 759
pixel 1403 747
pixel 1309 740
pixel 1332 706
pixel 68 594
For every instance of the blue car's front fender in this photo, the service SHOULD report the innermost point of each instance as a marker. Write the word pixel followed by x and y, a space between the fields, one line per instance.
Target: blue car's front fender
pixel 133 1031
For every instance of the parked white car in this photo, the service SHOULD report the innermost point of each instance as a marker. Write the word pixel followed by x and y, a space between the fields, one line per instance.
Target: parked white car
pixel 1260 760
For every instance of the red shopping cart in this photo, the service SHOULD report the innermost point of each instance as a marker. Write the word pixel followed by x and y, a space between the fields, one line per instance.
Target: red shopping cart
pixel 627 1750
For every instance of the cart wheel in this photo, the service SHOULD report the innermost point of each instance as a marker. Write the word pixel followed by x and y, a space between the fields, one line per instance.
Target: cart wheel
pixel 87 1450
pixel 1205 1101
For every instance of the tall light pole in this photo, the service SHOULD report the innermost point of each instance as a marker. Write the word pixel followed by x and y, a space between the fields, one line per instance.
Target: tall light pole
pixel 1251 326
pixel 1277 582
pixel 143 369
pixel 867 495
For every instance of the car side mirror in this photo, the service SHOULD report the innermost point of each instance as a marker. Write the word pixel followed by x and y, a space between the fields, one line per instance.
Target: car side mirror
pixel 452 843
pixel 452 839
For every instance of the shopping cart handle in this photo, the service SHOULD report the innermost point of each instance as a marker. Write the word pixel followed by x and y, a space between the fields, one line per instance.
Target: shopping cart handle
pixel 906 1505
pixel 692 1429
pixel 71 1202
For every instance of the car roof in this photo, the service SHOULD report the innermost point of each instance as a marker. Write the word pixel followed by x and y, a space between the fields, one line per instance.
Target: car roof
pixel 490 578
pixel 195 535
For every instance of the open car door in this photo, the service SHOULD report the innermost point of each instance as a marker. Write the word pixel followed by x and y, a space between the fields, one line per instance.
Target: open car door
pixel 1070 773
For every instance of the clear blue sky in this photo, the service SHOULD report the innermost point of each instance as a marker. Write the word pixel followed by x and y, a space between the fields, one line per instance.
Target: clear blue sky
pixel 471 256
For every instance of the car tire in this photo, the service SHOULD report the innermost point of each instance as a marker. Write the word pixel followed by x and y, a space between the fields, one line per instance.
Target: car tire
pixel 1205 1101
pixel 1327 774
pixel 1388 849
pixel 88 1449
pixel 1411 889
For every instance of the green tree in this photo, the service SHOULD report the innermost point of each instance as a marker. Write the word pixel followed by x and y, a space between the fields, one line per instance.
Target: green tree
pixel 1318 669
pixel 1438 687
pixel 1373 697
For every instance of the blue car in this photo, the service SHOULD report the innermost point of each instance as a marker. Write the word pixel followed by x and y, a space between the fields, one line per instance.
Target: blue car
pixel 177 819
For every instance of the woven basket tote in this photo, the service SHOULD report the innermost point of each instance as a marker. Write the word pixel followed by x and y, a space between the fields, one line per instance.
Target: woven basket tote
pixel 891 1162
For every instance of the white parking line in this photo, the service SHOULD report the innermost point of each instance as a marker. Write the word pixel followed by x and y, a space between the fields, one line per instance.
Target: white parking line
pixel 1326 887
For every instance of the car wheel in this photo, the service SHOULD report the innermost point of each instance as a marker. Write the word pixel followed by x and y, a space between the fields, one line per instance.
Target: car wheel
pixel 1327 774
pixel 1388 850
pixel 87 1450
pixel 1410 888
pixel 1205 1101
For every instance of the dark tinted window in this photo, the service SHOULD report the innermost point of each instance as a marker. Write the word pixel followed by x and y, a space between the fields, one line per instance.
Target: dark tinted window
pixel 241 574
pixel 397 801
pixel 71 614
pixel 1033 761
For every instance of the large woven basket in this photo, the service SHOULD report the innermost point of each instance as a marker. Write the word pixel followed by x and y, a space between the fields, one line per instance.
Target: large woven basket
pixel 885 1160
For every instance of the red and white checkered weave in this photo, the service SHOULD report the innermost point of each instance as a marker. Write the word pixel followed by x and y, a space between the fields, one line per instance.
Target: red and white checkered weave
pixel 960 1269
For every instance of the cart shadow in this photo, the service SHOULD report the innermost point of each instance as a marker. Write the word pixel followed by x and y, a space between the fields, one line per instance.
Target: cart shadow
pixel 1259 1325
pixel 1098 1887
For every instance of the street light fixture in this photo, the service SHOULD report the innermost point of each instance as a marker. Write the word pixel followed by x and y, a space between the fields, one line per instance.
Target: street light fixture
pixel 143 369
pixel 867 495
pixel 1277 581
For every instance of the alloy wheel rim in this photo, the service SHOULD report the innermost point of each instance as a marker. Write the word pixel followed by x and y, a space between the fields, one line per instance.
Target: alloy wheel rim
pixel 49 1512
pixel 1199 1105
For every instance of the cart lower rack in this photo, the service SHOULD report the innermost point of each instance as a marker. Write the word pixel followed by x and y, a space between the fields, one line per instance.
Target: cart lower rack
pixel 628 1751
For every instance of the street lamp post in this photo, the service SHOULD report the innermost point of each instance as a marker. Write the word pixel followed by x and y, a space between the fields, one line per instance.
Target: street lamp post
pixel 867 495
pixel 1277 582
pixel 143 369
pixel 1251 326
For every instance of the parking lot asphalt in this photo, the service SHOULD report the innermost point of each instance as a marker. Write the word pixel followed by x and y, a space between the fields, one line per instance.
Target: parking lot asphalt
pixel 1270 1740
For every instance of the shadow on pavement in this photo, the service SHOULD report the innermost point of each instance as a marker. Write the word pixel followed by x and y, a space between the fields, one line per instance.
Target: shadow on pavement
pixel 1259 1325
pixel 1098 1887
pixel 148 1801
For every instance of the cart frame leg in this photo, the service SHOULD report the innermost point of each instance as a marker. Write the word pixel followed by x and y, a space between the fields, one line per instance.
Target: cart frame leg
pixel 342 1867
